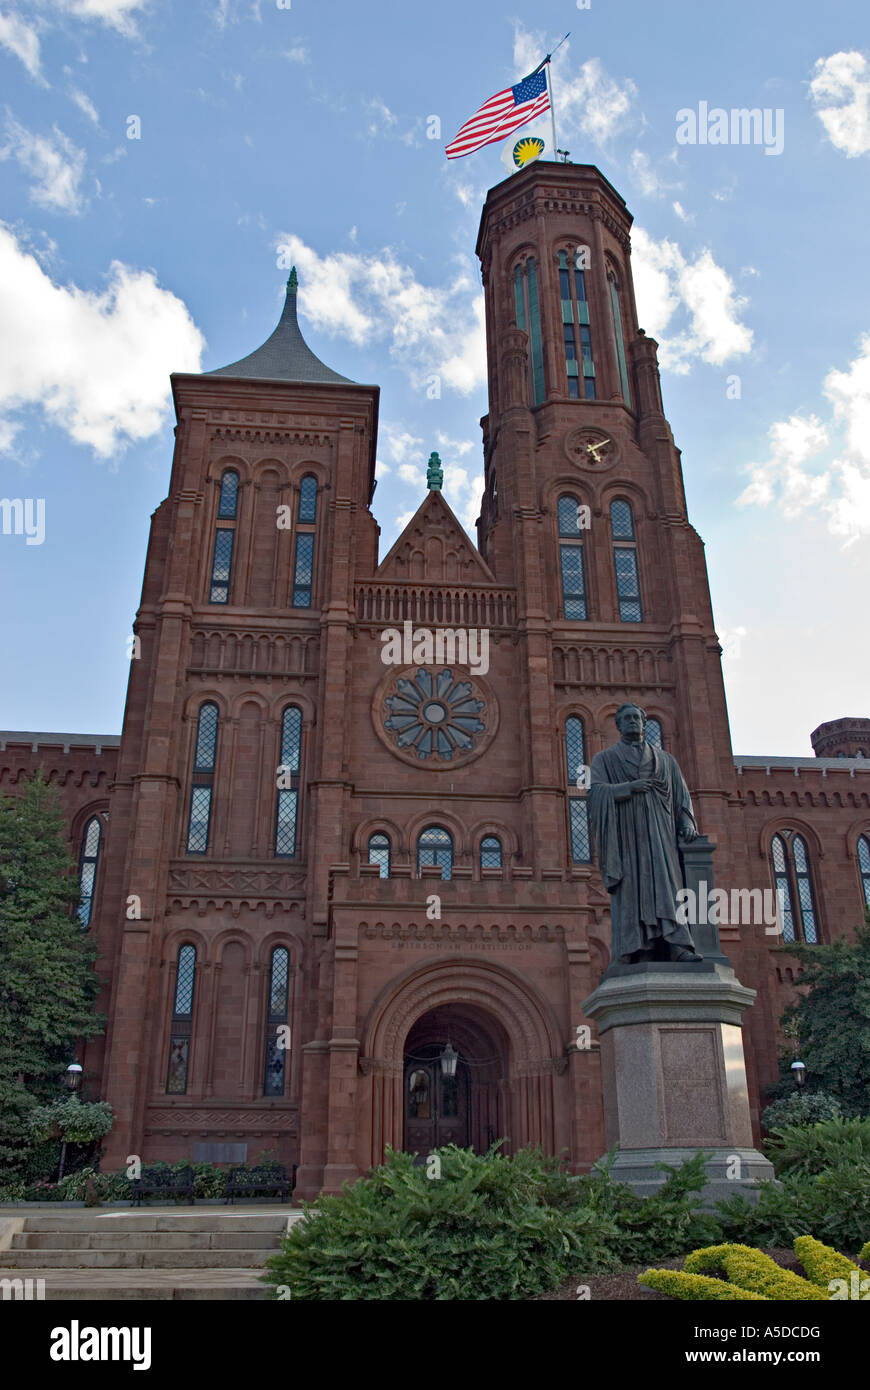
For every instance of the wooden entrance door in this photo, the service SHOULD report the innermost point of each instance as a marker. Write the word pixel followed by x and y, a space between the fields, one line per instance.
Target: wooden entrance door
pixel 436 1106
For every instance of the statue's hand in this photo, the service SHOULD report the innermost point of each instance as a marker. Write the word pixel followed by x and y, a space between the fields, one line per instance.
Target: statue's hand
pixel 643 784
pixel 688 833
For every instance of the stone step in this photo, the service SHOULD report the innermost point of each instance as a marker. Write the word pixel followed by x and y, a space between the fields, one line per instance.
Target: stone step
pixel 145 1240
pixel 88 1285
pixel 134 1259
pixel 162 1220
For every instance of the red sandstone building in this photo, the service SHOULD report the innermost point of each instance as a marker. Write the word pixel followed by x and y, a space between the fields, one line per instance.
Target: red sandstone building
pixel 266 849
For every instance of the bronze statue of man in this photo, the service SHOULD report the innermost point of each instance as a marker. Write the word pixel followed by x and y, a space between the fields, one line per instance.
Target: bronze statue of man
pixel 638 805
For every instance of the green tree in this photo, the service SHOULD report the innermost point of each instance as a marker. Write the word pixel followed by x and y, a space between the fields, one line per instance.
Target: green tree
pixel 831 1020
pixel 47 980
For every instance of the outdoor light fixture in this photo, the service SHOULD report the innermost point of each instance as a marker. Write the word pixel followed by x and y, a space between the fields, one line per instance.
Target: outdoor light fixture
pixel 799 1072
pixel 449 1058
pixel 73 1077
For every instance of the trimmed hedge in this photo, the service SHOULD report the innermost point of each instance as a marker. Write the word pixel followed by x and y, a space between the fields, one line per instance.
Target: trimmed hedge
pixel 821 1263
pixel 679 1284
pixel 753 1270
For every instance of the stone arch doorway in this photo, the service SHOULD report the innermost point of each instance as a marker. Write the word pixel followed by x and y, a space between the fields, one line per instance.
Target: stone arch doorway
pixel 467 1107
pixel 502 1016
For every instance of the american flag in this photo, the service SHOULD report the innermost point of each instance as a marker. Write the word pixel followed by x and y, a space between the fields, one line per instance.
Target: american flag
pixel 503 114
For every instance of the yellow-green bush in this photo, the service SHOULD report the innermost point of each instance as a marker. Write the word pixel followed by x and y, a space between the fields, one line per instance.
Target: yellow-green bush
pixel 694 1286
pixel 822 1263
pixel 753 1270
pixel 864 1252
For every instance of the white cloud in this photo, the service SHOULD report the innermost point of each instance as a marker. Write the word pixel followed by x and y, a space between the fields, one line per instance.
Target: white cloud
pixel 381 118
pixel 399 444
pixel 682 214
pixel 700 291
pixel 591 105
pixel 648 179
pixel 22 40
pixel 403 518
pixel 839 490
pixel 85 105
pixel 431 332
pixel 55 164
pixel 97 363
pixel 844 80
pixel 117 14
pixel 297 54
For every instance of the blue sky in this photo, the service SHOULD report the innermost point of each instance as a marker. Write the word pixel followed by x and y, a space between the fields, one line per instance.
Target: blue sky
pixel 270 132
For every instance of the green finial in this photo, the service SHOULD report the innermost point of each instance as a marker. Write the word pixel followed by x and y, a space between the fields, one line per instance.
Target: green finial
pixel 293 282
pixel 434 474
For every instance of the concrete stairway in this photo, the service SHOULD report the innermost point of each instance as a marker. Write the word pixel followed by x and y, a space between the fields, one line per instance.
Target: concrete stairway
pixel 153 1253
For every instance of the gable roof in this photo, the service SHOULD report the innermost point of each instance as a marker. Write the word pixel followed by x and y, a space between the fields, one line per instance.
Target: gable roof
pixel 435 548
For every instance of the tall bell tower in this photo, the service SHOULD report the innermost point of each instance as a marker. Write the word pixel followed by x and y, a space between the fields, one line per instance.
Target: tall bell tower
pixel 584 507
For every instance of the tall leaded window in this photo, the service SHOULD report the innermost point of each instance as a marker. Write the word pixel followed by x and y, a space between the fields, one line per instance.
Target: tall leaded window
pixel 793 882
pixel 303 558
pixel 435 847
pixel 653 733
pixel 528 315
pixel 224 538
pixel 202 783
pixel 578 811
pixel 619 344
pixel 379 852
pixel 625 561
pixel 571 563
pixel 91 840
pixel 182 1021
pixel 276 1026
pixel 490 852
pixel 864 866
pixel 287 814
pixel 576 332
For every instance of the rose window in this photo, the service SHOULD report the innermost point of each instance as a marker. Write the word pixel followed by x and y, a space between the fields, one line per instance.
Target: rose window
pixel 434 715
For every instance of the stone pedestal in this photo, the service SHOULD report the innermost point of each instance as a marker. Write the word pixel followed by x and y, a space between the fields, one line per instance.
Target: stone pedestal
pixel 674 1074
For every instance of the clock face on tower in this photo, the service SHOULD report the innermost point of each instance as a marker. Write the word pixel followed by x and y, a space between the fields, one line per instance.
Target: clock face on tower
pixel 591 448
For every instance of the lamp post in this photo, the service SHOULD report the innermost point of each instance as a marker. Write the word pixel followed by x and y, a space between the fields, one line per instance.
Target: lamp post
pixel 73 1080
pixel 449 1058
pixel 799 1073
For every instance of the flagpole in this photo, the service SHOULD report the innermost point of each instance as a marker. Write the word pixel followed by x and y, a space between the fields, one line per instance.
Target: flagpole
pixel 549 67
pixel 552 106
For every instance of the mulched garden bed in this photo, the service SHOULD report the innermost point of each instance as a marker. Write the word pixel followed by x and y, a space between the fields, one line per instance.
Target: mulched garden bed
pixel 624 1286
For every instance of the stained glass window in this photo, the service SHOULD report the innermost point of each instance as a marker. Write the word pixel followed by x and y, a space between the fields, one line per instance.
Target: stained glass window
pixel 276 1029
pixel 653 733
pixel 435 847
pixel 303 569
pixel 229 497
pixel 864 866
pixel 575 330
pixel 793 883
pixel 90 855
pixel 379 852
pixel 182 1021
pixel 490 852
pixel 308 499
pixel 288 773
pixel 222 565
pixel 578 814
pixel 625 561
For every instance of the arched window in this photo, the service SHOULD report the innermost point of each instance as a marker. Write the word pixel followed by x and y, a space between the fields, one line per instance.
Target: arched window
pixel 490 852
pixel 287 813
pixel 578 811
pixel 625 561
pixel 435 847
pixel 303 560
pixel 182 1021
pixel 618 342
pixel 277 1043
pixel 224 538
pixel 571 562
pixel 793 884
pixel 653 733
pixel 379 852
pixel 202 784
pixel 229 496
pixel 528 315
pixel 864 866
pixel 88 860
pixel 575 327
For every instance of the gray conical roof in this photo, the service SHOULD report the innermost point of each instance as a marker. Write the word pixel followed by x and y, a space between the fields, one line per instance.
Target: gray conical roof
pixel 285 356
